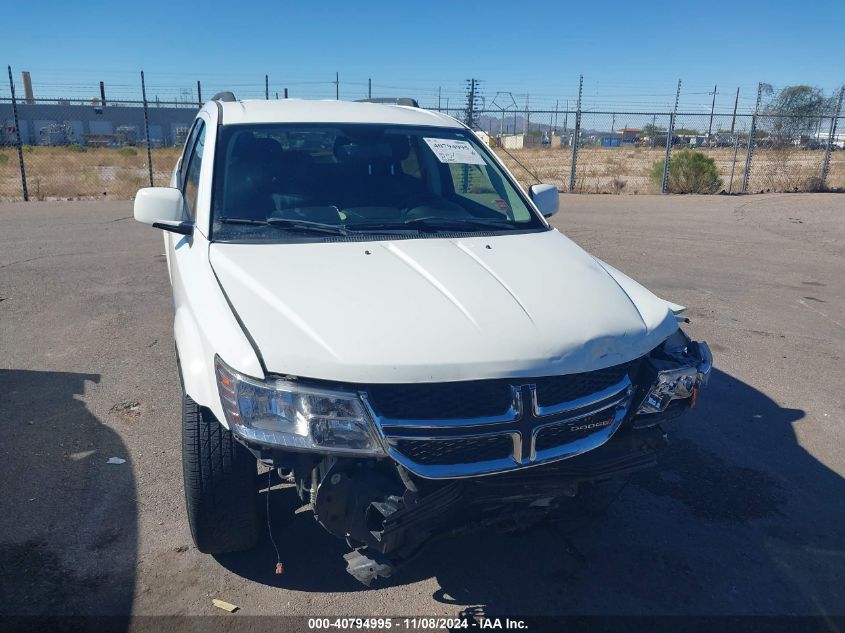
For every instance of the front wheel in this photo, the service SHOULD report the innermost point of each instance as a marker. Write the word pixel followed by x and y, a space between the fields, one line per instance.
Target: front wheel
pixel 221 484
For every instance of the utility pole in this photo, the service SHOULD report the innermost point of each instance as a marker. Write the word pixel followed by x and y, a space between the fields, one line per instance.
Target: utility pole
pixel 266 88
pixel 370 88
pixel 199 93
pixel 653 130
pixel 286 93
pixel 557 105
pixel 736 103
pixel 712 107
pixel 337 86
pixel 527 117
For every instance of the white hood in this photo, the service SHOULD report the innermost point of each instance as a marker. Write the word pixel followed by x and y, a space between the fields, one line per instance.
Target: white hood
pixel 432 310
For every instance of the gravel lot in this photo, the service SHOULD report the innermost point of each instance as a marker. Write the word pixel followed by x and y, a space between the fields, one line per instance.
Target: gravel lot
pixel 744 515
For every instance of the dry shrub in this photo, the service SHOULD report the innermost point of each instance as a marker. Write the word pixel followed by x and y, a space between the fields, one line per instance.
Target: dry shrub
pixel 785 169
pixel 689 172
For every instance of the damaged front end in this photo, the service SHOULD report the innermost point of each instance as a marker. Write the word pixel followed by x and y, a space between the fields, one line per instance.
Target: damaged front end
pixel 388 467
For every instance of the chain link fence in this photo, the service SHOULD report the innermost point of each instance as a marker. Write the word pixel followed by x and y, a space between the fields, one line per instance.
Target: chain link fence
pixel 794 140
pixel 87 150
pixel 625 152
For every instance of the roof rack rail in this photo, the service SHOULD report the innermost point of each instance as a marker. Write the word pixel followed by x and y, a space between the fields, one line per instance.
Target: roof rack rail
pixel 403 101
pixel 224 96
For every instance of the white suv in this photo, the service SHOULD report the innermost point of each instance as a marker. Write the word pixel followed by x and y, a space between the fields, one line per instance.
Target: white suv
pixel 368 303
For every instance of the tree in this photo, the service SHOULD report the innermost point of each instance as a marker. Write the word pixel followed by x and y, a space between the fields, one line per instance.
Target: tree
pixel 650 130
pixel 794 111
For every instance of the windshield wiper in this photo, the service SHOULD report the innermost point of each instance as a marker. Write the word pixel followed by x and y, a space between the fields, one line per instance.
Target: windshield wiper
pixel 433 224
pixel 452 223
pixel 307 225
pixel 242 221
pixel 290 224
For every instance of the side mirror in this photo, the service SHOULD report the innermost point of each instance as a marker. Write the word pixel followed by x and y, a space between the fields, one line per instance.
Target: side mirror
pixel 546 199
pixel 163 208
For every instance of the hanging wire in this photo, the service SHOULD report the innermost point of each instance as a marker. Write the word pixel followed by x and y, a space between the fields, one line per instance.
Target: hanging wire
pixel 280 568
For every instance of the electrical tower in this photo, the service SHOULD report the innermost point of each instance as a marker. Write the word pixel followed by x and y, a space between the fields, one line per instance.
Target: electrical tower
pixel 472 102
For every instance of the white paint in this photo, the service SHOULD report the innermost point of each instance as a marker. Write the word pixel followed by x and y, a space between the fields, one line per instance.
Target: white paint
pixel 421 310
pixel 418 310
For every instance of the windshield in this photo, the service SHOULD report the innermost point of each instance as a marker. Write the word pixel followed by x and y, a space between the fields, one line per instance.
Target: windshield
pixel 306 181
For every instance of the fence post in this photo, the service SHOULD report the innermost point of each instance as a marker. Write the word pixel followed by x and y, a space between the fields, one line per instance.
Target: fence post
pixel 670 133
pixel 831 135
pixel 199 94
pixel 747 177
pixel 574 170
pixel 733 165
pixel 147 129
pixel 18 137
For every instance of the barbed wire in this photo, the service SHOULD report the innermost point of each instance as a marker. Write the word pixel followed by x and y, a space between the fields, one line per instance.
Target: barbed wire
pixel 80 84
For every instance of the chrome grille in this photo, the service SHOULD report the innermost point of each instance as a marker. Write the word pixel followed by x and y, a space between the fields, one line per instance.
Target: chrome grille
pixel 554 389
pixel 481 398
pixel 471 437
pixel 460 450
pixel 557 434
pixel 471 399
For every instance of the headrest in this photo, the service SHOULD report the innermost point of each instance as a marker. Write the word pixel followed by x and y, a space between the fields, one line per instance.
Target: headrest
pixel 400 147
pixel 373 149
pixel 255 149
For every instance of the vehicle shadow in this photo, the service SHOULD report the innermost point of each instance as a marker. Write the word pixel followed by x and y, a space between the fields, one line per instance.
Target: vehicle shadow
pixel 68 528
pixel 736 519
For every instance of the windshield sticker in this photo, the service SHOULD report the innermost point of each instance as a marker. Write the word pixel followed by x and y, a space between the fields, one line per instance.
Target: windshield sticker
pixel 451 151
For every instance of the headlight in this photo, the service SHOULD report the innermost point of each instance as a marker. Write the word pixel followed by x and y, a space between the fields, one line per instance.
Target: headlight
pixel 288 415
pixel 684 367
pixel 674 384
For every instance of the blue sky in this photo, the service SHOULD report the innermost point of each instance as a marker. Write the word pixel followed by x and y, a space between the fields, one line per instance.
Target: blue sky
pixel 629 53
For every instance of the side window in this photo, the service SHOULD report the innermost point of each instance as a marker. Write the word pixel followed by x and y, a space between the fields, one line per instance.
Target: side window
pixel 472 182
pixel 186 153
pixel 479 185
pixel 190 184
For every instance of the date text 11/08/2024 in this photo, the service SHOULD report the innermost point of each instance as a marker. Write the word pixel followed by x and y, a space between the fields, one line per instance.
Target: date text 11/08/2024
pixel 423 623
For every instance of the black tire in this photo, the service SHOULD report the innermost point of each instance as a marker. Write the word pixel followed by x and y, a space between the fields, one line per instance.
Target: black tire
pixel 221 484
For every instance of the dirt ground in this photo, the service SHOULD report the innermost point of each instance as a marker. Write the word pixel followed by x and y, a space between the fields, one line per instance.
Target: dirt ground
pixel 742 516
pixel 89 173
pixel 116 174
pixel 626 170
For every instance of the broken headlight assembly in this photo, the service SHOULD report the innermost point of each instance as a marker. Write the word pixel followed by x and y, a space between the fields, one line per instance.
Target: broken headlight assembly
pixel 675 371
pixel 284 414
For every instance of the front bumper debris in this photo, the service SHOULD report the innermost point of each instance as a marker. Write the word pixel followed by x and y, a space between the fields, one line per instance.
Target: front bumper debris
pixel 492 453
pixel 398 521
